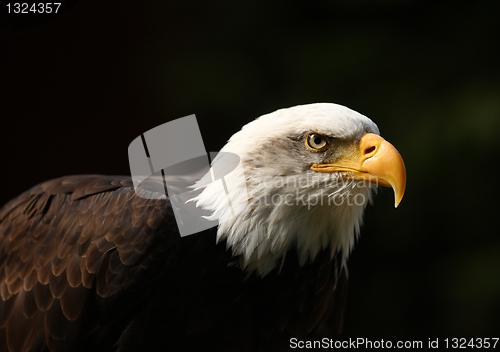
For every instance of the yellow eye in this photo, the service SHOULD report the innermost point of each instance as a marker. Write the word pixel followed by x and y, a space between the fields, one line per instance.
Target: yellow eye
pixel 315 141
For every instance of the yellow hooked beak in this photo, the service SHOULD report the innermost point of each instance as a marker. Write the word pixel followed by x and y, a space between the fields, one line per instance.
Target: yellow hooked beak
pixel 377 161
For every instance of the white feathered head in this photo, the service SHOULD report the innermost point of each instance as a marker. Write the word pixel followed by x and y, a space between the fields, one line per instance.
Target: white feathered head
pixel 306 174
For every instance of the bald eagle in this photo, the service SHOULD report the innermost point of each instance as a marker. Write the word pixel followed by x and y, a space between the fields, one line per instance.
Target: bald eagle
pixel 88 265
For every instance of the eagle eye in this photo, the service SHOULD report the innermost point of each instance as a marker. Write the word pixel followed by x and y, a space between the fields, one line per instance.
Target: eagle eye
pixel 316 141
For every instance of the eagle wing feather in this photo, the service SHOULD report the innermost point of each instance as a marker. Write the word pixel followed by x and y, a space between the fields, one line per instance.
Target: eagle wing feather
pixel 66 237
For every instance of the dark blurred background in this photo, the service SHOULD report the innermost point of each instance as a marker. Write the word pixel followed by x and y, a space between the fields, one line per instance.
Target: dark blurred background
pixel 78 88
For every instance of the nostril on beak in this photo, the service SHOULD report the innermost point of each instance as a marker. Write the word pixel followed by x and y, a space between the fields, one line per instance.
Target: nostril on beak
pixel 370 150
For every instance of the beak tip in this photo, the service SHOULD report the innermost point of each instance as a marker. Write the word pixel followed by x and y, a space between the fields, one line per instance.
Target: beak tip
pixel 397 199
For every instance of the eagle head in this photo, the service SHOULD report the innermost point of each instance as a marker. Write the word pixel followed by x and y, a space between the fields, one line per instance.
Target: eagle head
pixel 306 175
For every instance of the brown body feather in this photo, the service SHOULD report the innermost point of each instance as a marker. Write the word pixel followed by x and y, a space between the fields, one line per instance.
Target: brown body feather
pixel 86 264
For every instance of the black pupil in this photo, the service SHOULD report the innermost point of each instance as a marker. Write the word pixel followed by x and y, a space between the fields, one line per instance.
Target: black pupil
pixel 318 140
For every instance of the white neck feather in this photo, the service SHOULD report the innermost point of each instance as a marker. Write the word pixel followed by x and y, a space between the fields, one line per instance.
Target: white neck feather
pixel 281 214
